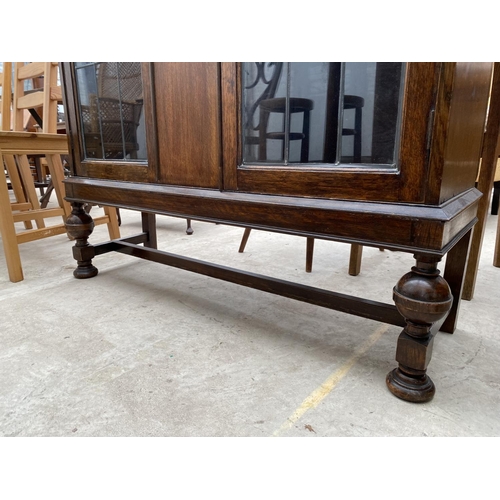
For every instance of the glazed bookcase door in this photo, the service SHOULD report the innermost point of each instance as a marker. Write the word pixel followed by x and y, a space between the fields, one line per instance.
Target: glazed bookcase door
pixel 110 116
pixel 396 170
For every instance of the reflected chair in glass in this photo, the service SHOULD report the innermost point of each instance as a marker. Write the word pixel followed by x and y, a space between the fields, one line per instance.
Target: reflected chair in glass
pixel 111 119
pixel 267 104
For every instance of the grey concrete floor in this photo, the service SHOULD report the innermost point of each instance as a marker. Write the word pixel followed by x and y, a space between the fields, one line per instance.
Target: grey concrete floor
pixel 147 350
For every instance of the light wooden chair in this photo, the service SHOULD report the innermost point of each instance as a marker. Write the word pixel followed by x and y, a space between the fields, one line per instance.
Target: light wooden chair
pixel 6 97
pixel 45 99
pixel 36 96
pixel 485 181
pixel 21 203
pixel 14 150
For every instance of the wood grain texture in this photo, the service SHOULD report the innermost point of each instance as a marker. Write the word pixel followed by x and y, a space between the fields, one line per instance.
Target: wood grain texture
pixel 403 227
pixel 230 89
pixel 137 171
pixel 466 126
pixel 378 311
pixel 419 99
pixel 187 99
pixel 405 182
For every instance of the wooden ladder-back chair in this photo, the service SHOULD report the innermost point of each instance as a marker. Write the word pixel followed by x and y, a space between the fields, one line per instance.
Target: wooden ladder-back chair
pixel 36 96
pixel 9 165
pixel 16 146
pixel 45 99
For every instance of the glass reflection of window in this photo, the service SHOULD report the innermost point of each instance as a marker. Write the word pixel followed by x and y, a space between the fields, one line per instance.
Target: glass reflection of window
pixel 111 104
pixel 321 113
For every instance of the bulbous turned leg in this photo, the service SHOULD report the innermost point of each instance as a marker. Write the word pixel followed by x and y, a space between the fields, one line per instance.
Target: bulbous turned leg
pixel 79 226
pixel 422 297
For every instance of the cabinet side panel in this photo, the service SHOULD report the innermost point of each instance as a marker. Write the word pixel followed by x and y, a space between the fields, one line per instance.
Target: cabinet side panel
pixel 187 97
pixel 466 128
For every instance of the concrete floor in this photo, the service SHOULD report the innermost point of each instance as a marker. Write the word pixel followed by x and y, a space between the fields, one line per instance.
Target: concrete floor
pixel 147 350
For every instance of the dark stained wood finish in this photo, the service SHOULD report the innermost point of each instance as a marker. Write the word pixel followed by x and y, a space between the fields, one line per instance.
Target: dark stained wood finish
pixel 425 204
pixel 187 97
pixel 231 129
pixel 423 298
pixel 149 228
pixel 465 128
pixel 399 227
pixel 73 129
pixel 133 171
pixel 419 102
pixel 368 183
pixel 325 182
pixel 378 311
pixel 79 226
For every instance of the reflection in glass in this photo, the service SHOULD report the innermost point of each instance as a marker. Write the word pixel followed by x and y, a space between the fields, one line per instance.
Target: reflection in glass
pixel 111 103
pixel 320 112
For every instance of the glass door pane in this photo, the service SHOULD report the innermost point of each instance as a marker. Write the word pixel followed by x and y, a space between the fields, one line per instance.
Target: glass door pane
pixel 111 102
pixel 326 113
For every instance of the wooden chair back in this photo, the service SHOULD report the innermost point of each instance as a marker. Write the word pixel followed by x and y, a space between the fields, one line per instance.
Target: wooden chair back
pixel 43 97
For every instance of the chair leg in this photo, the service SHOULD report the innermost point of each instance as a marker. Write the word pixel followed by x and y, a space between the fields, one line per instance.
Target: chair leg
pixel 27 179
pixel 244 240
pixel 56 170
pixel 189 229
pixel 309 254
pixel 496 254
pixel 15 182
pixel 8 232
pixel 496 198
pixel 355 259
pixel 45 198
pixel 113 228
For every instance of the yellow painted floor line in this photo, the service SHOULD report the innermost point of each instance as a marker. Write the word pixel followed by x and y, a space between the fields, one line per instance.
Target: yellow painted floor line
pixel 315 398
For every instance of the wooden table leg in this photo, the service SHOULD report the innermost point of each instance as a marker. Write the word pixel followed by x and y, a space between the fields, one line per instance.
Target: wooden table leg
pixel 423 298
pixel 79 226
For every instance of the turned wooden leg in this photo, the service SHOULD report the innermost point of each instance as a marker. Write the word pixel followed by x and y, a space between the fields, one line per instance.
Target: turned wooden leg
pixel 189 229
pixel 422 297
pixel 79 226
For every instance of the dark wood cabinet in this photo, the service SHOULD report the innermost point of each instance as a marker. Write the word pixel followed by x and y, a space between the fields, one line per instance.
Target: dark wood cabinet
pixel 378 154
